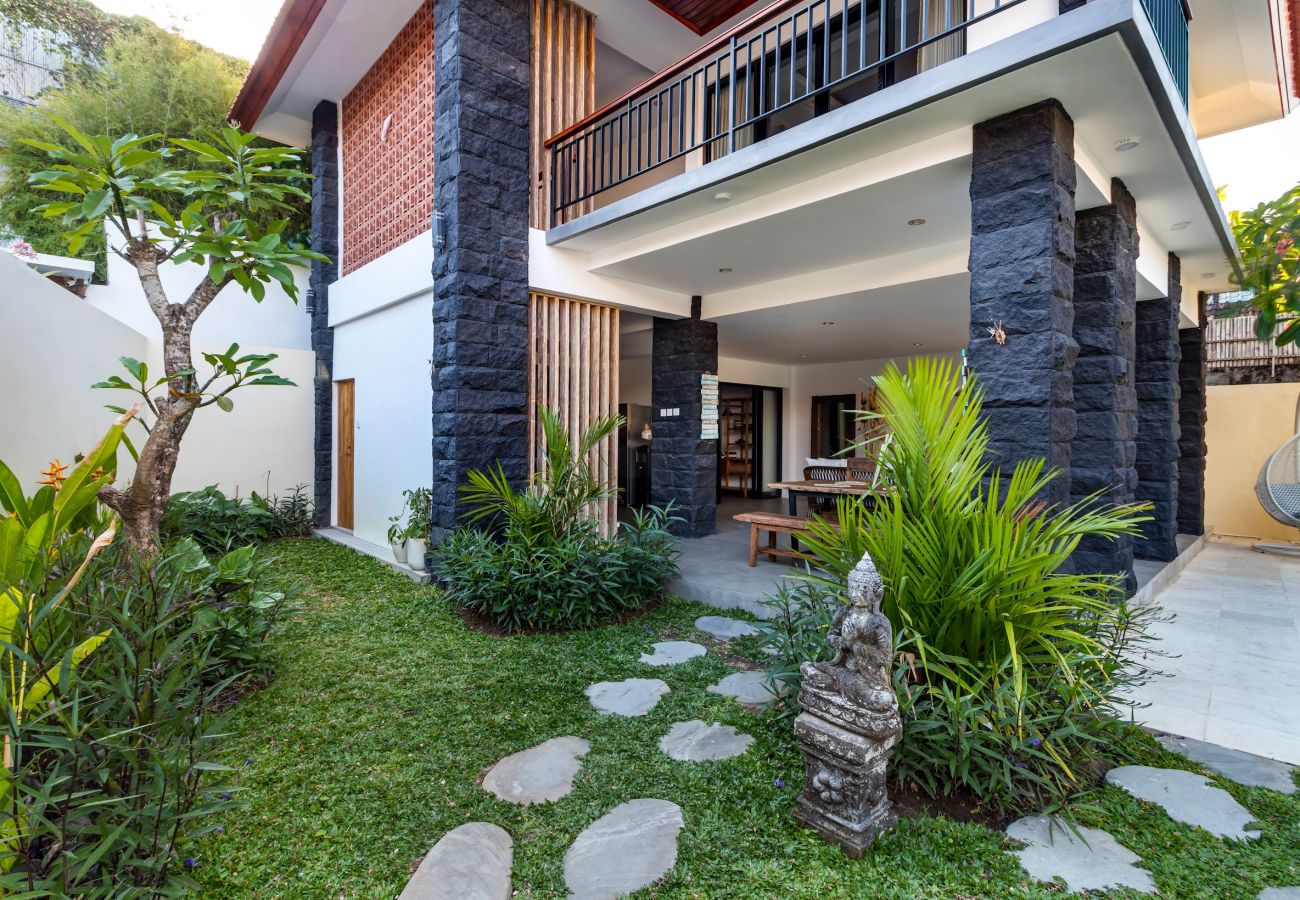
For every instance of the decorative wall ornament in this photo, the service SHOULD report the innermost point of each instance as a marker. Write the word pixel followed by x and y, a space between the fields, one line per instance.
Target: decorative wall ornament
pixel 850 722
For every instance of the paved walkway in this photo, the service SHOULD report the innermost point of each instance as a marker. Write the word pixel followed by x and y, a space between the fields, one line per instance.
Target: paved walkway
pixel 1236 681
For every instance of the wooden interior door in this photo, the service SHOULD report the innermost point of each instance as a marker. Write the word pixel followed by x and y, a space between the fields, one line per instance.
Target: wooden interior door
pixel 347 425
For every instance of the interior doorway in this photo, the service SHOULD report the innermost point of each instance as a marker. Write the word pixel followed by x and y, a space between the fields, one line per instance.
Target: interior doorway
pixel 749 439
pixel 832 424
pixel 346 450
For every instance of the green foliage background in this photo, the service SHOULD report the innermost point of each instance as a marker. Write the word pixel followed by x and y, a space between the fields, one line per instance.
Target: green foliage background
pixel 148 81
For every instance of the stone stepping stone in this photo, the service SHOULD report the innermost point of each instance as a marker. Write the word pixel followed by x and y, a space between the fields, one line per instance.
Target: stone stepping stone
pixel 1188 798
pixel 748 688
pixel 540 774
pixel 629 847
pixel 670 653
pixel 724 627
pixel 471 862
pixel 696 741
pixel 1282 893
pixel 1243 768
pixel 1054 851
pixel 631 697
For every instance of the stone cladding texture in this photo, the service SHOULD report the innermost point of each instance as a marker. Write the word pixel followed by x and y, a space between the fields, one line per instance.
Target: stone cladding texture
pixel 324 239
pixel 683 468
pixel 1022 285
pixel 480 312
pixel 1158 358
pixel 1104 451
pixel 1191 421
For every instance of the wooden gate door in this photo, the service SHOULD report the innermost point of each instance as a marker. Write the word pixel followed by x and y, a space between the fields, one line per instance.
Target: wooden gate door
pixel 346 458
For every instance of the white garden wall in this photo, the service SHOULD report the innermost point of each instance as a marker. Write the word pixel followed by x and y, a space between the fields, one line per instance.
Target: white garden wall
pixel 57 345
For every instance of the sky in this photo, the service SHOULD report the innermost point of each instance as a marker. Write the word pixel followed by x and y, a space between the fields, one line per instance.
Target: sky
pixel 236 27
pixel 1255 164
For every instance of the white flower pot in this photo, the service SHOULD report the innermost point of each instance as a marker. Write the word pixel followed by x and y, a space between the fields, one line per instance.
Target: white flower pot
pixel 415 553
pixel 399 551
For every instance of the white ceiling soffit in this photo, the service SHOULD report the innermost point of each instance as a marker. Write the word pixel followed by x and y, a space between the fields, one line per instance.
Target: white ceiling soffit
pixel 343 43
pixel 931 316
pixel 1238 64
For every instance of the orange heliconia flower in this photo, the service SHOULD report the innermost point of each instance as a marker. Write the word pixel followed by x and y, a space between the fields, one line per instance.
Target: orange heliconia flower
pixel 55 475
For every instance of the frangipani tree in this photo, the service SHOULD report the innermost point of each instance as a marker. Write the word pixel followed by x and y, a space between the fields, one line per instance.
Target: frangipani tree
pixel 120 182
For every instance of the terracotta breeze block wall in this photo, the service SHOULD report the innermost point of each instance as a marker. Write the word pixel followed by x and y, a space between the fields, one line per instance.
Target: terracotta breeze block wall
pixel 388 173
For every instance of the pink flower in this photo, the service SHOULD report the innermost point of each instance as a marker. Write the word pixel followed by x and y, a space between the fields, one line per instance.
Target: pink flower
pixel 23 249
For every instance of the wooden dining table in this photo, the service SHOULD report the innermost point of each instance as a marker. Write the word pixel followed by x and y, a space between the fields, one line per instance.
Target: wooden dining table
pixel 828 489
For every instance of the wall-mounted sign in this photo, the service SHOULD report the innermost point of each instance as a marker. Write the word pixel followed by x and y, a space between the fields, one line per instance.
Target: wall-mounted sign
pixel 709 407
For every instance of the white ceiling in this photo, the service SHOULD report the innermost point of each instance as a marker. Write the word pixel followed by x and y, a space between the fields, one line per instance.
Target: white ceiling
pixel 868 223
pixel 875 324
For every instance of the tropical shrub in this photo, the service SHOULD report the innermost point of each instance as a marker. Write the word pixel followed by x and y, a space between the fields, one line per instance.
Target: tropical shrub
pixel 117 672
pixel 218 523
pixel 1009 665
pixel 535 558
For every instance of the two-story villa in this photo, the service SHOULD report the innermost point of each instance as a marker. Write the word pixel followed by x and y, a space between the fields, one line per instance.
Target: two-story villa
pixel 594 204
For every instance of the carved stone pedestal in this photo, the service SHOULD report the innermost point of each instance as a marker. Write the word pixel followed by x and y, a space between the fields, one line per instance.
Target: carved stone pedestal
pixel 850 723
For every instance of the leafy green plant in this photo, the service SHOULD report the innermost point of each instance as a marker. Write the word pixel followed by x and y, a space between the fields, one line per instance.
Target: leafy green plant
pixel 545 564
pixel 559 497
pixel 222 228
pixel 419 514
pixel 527 582
pixel 41 649
pixel 219 524
pixel 114 770
pixel 1001 646
pixel 1268 237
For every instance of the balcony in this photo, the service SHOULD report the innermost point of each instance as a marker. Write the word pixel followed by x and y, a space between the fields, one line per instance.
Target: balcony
pixel 784 66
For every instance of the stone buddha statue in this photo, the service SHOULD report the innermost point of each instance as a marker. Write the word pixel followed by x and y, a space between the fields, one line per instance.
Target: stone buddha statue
pixel 850 723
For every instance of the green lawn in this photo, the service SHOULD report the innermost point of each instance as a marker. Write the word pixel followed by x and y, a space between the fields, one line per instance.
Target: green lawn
pixel 368 744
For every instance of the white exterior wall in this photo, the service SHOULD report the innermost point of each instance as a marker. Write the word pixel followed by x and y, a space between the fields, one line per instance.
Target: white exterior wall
pixel 234 317
pixel 382 315
pixel 58 345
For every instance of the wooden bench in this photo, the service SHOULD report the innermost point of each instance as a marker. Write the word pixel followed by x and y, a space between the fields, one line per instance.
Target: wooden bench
pixel 773 524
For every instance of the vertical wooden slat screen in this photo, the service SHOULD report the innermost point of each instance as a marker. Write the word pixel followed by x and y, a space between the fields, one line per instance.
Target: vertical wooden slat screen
pixel 563 87
pixel 573 370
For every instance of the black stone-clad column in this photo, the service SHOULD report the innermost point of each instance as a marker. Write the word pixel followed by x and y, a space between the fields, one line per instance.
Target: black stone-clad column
pixel 480 276
pixel 324 239
pixel 1022 285
pixel 683 468
pixel 1158 357
pixel 1104 451
pixel 1191 421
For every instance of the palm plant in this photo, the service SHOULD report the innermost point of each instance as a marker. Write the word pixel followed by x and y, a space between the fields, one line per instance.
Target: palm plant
pixel 974 562
pixel 557 498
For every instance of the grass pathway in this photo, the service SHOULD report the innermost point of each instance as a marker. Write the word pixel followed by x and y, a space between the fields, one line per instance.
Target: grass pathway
pixel 368 745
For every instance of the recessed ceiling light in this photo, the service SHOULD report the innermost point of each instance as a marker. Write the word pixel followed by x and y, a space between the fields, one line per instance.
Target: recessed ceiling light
pixel 803 355
pixel 1208 274
pixel 1123 145
pixel 1180 226
pixel 915 222
pixel 828 323
pixel 917 344
pixel 725 269
pixel 722 197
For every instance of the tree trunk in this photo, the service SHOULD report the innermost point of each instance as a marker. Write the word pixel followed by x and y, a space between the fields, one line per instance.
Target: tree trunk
pixel 142 503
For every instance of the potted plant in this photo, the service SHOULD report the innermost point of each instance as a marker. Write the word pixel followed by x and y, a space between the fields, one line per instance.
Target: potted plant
pixel 419 506
pixel 397 537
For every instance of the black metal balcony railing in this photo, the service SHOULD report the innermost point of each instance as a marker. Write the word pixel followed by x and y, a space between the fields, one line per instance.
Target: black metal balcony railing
pixel 789 63
pixel 1170 18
